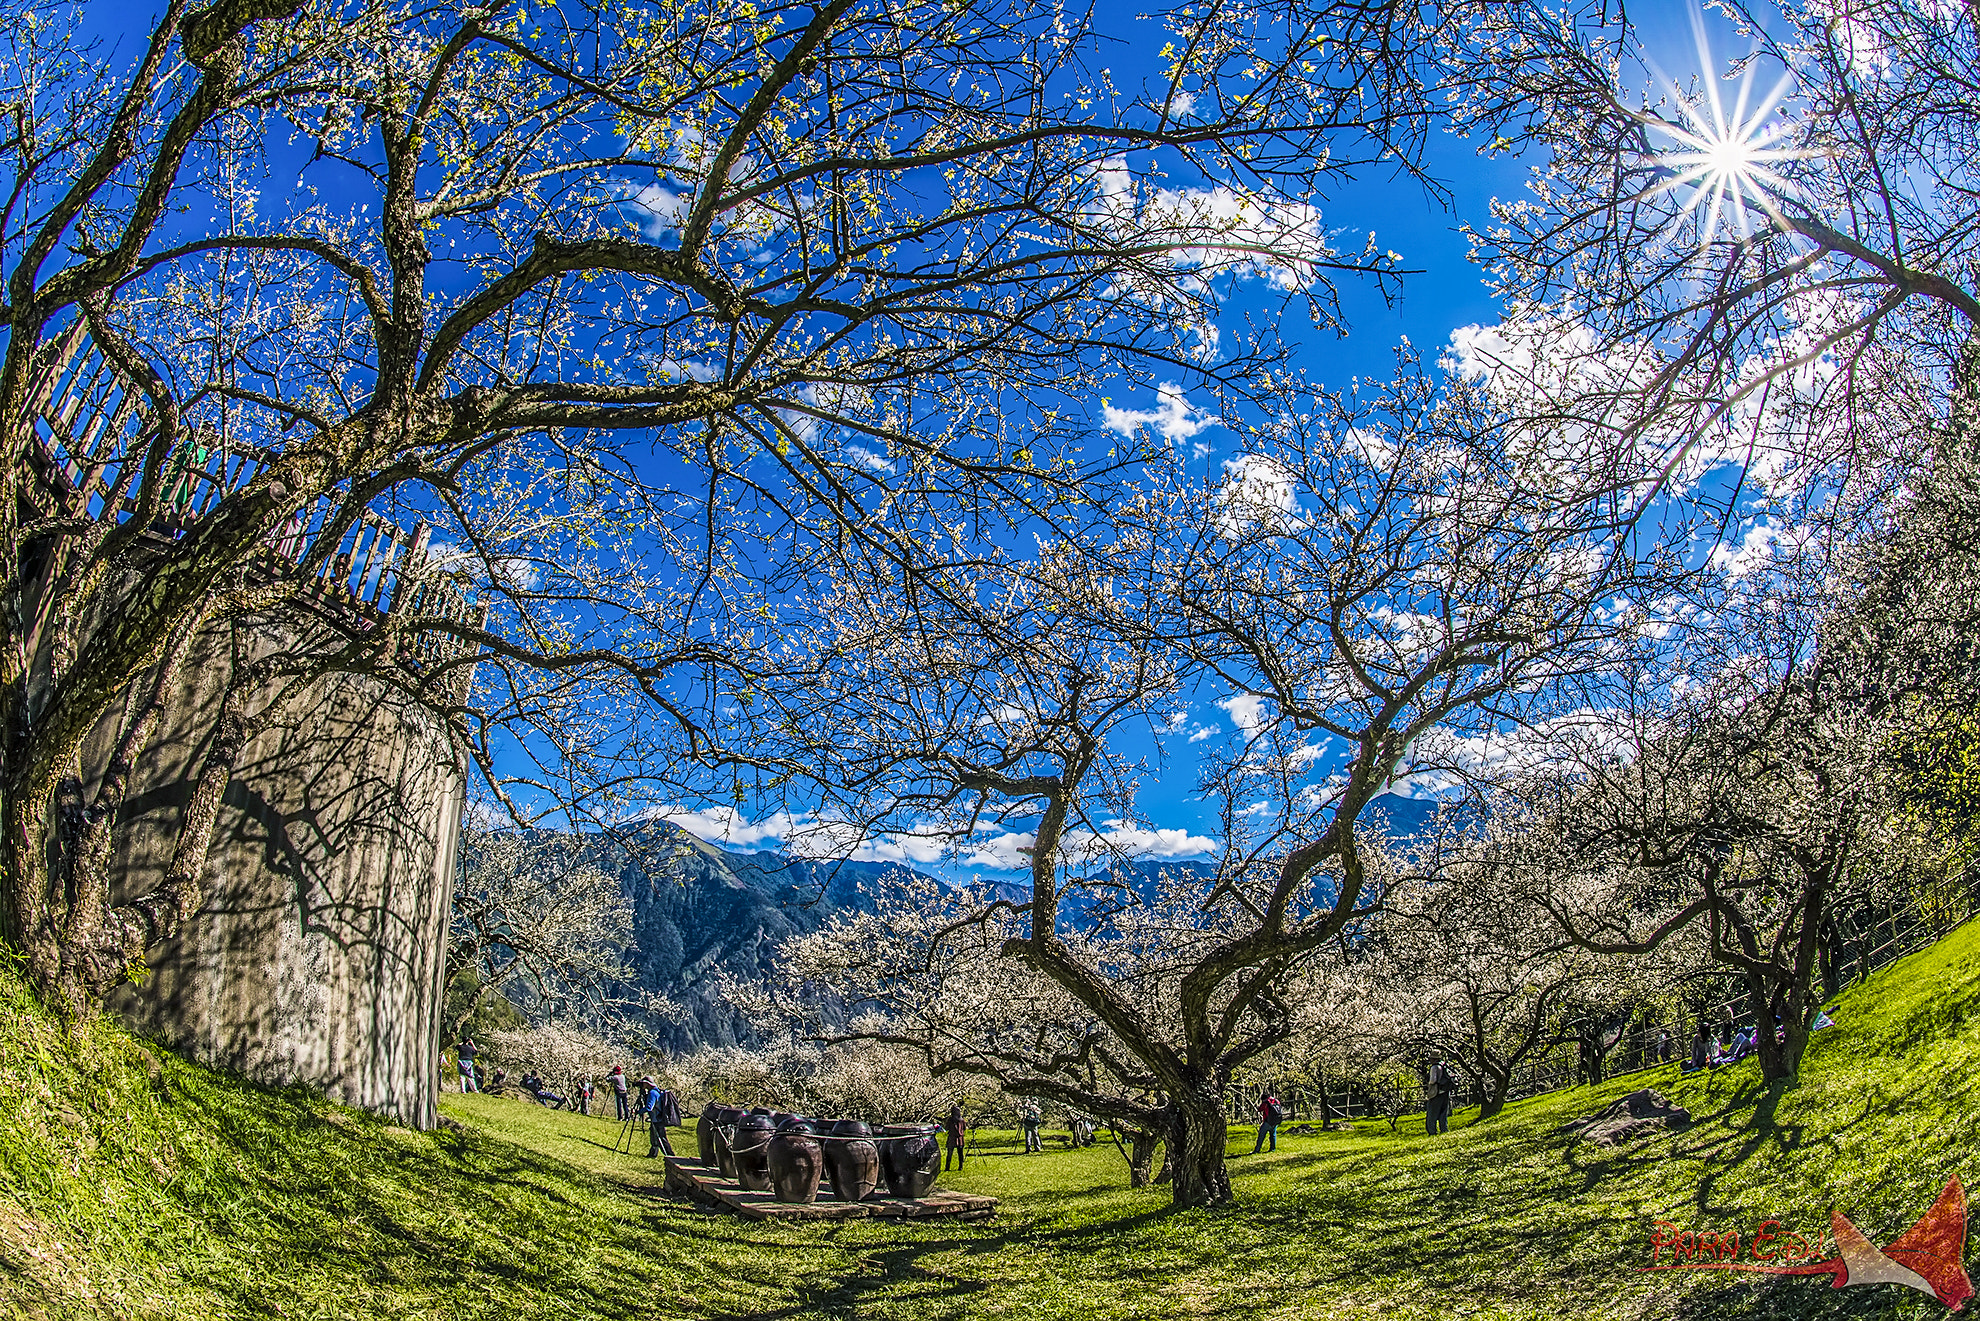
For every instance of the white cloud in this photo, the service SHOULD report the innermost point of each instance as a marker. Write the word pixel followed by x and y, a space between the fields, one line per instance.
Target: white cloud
pixel 1214 230
pixel 869 459
pixel 806 835
pixel 727 825
pixel 1379 451
pixel 1207 339
pixel 658 209
pixel 1257 491
pixel 1247 711
pixel 1011 850
pixel 1764 544
pixel 694 369
pixel 1444 758
pixel 1008 851
pixel 1173 418
pixel 1137 842
pixel 1201 732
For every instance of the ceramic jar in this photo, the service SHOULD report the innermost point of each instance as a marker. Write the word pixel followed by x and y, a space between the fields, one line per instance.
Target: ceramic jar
pixel 854 1165
pixel 910 1158
pixel 726 1119
pixel 704 1136
pixel 751 1149
pixel 796 1163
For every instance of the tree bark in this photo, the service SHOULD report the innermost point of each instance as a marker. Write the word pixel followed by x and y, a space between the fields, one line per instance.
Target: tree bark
pixel 1199 1134
pixel 1495 1086
pixel 1141 1157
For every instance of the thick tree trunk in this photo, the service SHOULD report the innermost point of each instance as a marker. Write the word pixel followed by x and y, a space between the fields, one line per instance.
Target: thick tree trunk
pixel 1199 1135
pixel 1780 1062
pixel 1141 1158
pixel 1493 1090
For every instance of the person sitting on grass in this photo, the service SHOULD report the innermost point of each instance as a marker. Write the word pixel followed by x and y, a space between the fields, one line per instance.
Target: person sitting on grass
pixel 533 1087
pixel 1701 1050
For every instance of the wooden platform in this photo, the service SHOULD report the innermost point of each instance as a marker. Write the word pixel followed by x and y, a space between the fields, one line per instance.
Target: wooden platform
pixel 698 1183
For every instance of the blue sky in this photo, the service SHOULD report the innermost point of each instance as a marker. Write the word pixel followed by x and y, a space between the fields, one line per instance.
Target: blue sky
pixel 1449 292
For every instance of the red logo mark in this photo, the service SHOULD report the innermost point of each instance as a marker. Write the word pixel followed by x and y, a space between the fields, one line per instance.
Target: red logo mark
pixel 1928 1257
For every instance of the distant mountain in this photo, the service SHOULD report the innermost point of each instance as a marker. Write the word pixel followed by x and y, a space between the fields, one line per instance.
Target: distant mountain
pixel 700 911
pixel 1406 816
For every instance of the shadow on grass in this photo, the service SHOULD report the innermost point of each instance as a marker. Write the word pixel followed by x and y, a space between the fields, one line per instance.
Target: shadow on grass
pixel 1775 1298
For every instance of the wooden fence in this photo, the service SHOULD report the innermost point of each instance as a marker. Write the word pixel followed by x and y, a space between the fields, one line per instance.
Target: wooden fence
pixel 94 427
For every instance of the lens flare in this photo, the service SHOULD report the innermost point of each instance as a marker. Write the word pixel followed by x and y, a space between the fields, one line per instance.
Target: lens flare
pixel 1720 163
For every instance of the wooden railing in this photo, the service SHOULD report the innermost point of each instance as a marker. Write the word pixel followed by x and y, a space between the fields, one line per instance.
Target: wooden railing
pixel 93 427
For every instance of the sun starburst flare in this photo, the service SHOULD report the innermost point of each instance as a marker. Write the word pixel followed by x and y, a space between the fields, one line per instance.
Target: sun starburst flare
pixel 1720 164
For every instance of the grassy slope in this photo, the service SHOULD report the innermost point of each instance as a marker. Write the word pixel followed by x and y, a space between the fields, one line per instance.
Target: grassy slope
pixel 138 1187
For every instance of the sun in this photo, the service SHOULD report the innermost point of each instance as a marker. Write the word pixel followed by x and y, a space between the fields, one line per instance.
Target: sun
pixel 1721 163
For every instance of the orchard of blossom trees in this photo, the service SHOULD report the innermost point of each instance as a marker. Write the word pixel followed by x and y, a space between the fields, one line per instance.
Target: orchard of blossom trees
pixel 742 366
pixel 1666 585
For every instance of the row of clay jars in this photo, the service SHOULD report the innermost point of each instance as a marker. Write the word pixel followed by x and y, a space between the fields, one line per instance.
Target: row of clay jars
pixel 774 1150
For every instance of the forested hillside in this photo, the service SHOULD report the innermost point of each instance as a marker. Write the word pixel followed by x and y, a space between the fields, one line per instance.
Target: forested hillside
pixel 702 913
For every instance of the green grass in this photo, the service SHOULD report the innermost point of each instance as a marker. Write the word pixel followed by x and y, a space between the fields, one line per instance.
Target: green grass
pixel 134 1185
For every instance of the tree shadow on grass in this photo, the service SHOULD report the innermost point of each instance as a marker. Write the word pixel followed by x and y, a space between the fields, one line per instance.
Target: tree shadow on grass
pixel 1775 1298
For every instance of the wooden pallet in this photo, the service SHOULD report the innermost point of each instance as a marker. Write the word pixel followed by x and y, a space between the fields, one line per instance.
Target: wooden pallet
pixel 692 1180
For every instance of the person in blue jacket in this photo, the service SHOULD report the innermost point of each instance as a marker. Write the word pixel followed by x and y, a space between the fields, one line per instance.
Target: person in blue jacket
pixel 663 1111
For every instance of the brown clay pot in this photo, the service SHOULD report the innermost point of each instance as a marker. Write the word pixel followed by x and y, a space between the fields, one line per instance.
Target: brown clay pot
pixel 704 1135
pixel 854 1166
pixel 751 1149
pixel 796 1163
pixel 726 1117
pixel 912 1160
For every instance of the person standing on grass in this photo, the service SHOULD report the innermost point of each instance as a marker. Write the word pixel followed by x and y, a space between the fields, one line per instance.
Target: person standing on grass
pixel 1270 1112
pixel 619 1092
pixel 464 1054
pixel 644 1098
pixel 1437 1090
pixel 663 1111
pixel 1028 1116
pixel 952 1128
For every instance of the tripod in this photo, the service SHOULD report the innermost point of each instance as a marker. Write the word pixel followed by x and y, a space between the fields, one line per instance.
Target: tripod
pixel 626 1131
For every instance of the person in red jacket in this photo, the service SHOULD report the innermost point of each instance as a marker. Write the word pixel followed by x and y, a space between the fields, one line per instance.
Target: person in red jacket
pixel 1270 1112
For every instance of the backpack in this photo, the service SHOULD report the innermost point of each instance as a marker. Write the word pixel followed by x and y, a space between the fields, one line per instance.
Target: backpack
pixel 1273 1110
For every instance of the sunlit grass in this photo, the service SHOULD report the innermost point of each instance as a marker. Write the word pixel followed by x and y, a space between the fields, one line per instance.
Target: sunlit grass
pixel 225 1200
